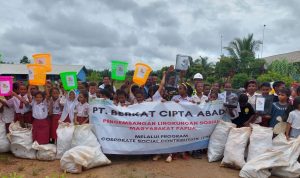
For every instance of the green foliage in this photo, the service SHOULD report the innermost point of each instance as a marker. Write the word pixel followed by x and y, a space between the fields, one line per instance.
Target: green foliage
pixel 283 67
pixel 225 67
pixel 200 65
pixel 24 60
pixel 272 76
pixel 239 80
pixel 94 76
pixel 12 175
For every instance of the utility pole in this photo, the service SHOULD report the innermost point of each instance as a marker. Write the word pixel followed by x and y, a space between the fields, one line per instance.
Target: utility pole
pixel 221 44
pixel 262 45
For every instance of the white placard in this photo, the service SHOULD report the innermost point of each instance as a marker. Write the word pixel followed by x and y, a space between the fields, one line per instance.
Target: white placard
pixel 120 70
pixel 31 73
pixel 141 72
pixel 70 80
pixel 41 61
pixel 5 87
pixel 260 104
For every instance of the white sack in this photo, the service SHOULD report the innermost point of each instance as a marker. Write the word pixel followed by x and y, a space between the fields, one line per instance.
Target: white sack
pixel 218 140
pixel 235 147
pixel 80 157
pixel 4 143
pixel 260 141
pixel 83 136
pixel 259 166
pixel 21 141
pixel 64 138
pixel 46 152
pixel 291 151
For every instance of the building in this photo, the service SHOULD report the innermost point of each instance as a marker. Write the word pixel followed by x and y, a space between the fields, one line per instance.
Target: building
pixel 20 71
pixel 292 57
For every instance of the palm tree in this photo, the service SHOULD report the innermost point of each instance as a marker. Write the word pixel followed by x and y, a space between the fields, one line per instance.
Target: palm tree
pixel 243 51
pixel 243 48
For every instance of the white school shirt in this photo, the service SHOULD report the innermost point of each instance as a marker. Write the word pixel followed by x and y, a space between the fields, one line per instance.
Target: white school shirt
pixel 155 97
pixel 8 114
pixel 56 109
pixel 82 110
pixel 195 98
pixel 15 102
pixel 252 99
pixel 294 119
pixel 39 111
pixel 181 99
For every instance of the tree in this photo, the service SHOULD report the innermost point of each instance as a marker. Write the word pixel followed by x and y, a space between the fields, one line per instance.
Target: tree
pixel 226 67
pixel 283 67
pixel 239 80
pixel 243 51
pixel 24 60
pixel 200 65
pixel 272 76
pixel 94 76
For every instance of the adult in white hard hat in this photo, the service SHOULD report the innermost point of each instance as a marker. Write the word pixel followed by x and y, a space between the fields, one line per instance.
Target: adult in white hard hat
pixel 197 78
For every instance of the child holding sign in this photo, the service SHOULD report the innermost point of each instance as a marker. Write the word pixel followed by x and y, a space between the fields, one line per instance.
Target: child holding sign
pixel 82 109
pixel 69 107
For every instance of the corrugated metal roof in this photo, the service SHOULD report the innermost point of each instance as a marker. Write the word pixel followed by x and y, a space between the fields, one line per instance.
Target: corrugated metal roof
pixel 22 69
pixel 291 57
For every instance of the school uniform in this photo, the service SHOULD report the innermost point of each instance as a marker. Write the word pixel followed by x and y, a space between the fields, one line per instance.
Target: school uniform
pixel 8 116
pixel 195 98
pixel 252 99
pixel 40 125
pixel 294 120
pixel 82 111
pixel 22 111
pixel 55 116
pixel 67 114
pixel 181 99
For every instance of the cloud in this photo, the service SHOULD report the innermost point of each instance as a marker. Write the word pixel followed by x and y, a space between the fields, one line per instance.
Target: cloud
pixel 95 32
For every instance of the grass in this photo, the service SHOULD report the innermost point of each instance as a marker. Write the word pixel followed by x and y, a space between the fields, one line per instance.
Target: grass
pixel 12 175
pixel 5 159
pixel 36 172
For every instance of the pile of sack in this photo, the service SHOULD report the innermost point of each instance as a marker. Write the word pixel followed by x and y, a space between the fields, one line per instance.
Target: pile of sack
pixel 253 150
pixel 77 146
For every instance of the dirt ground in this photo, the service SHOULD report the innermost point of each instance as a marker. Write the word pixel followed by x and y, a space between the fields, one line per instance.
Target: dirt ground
pixel 121 167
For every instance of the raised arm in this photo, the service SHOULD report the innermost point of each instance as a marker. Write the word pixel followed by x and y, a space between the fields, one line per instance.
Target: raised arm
pixel 162 82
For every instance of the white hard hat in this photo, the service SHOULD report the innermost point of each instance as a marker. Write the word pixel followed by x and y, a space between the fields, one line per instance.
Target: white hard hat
pixel 198 76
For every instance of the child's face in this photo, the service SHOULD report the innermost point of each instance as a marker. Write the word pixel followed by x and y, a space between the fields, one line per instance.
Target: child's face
pixel 199 87
pixel 181 90
pixel 121 98
pixel 206 90
pixel 93 89
pixel 282 97
pixel 98 94
pixel 280 87
pixel 139 97
pixel 294 93
pixel 81 98
pixel 251 88
pixel 33 90
pixel 216 87
pixel 72 96
pixel 23 90
pixel 55 94
pixel 38 98
pixel 213 97
pixel 265 90
pixel 227 86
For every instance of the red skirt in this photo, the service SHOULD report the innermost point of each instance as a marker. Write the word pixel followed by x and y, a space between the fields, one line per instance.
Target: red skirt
pixel 80 120
pixel 67 119
pixel 54 124
pixel 26 118
pixel 40 131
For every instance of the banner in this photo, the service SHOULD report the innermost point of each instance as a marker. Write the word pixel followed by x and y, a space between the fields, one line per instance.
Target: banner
pixel 153 127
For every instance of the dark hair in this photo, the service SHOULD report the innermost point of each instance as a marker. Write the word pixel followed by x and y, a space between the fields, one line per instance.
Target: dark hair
pixel 85 94
pixel 53 88
pixel 121 92
pixel 15 86
pixel 249 82
pixel 93 84
pixel 106 93
pixel 40 93
pixel 139 91
pixel 24 85
pixel 110 89
pixel 296 102
pixel 214 93
pixel 188 88
pixel 285 91
pixel 278 83
pixel 106 76
pixel 133 88
pixel 152 90
pixel 154 74
pixel 265 84
pixel 243 98
pixel 206 85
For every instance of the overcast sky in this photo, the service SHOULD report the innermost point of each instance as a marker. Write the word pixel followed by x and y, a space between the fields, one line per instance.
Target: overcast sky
pixel 94 32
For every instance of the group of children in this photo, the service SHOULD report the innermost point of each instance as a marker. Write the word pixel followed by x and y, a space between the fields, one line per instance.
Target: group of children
pixel 45 109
